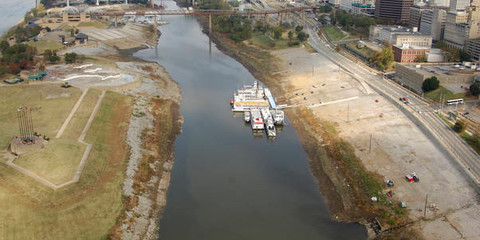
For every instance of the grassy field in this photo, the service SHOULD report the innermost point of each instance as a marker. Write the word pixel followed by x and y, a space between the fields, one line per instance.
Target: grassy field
pixel 86 210
pixel 56 163
pixel 367 52
pixel 47 99
pixel 59 160
pixel 435 95
pixel 333 33
pixel 265 42
pixel 41 46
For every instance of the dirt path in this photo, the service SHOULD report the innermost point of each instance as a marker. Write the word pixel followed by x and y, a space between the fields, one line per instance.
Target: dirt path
pixel 70 116
pixel 81 166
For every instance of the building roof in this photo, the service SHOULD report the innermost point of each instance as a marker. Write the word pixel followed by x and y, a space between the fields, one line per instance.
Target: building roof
pixel 81 36
pixel 441 69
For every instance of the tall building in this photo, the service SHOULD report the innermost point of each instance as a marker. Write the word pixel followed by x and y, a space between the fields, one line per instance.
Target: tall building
pixel 462 26
pixel 433 23
pixel 397 11
pixel 459 4
pixel 416 14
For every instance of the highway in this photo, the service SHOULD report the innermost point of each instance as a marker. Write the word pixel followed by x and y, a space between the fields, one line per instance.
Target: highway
pixel 423 115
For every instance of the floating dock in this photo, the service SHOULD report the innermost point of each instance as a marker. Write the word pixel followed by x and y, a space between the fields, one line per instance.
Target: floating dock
pixel 259 107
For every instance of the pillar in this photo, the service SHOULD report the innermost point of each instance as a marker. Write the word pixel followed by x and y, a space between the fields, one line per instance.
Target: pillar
pixel 98 3
pixel 209 24
pixel 287 16
pixel 280 20
pixel 126 2
pixel 68 3
pixel 210 34
pixel 266 19
pixel 116 21
pixel 302 14
pixel 155 24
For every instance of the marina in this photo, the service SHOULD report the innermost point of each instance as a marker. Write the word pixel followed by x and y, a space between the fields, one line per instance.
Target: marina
pixel 259 108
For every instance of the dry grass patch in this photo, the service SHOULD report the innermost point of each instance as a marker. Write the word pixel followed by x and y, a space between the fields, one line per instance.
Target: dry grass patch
pixel 52 103
pixel 85 210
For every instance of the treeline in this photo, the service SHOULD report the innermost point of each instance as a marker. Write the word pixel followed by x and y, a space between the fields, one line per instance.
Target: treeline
pixel 324 9
pixel 213 5
pixel 238 27
pixel 353 23
pixel 16 58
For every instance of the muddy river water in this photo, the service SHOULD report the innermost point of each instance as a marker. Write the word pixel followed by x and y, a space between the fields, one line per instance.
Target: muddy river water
pixel 226 183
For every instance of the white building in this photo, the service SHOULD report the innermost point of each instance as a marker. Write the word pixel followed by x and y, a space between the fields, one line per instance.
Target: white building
pixel 398 36
pixel 459 4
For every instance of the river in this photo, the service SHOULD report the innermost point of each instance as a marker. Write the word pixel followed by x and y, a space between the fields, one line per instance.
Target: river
pixel 12 11
pixel 225 183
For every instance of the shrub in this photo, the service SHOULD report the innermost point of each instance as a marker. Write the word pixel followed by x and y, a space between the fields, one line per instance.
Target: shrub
pixel 459 127
pixel 430 84
pixel 475 89
pixel 293 43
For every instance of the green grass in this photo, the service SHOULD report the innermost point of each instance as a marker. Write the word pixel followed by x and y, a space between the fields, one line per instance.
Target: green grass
pixel 367 52
pixel 81 116
pixel 85 210
pixel 41 45
pixel 333 33
pixel 52 102
pixel 435 95
pixel 474 142
pixel 56 163
pixel 265 42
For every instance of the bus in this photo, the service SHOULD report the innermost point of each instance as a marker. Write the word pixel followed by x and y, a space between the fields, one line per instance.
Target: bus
pixel 455 101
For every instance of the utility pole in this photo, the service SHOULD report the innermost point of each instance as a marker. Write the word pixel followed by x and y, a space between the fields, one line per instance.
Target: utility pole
pixel 370 149
pixel 425 207
pixel 348 112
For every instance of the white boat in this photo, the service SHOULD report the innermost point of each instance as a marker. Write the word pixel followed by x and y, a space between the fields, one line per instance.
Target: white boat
pixel 246 117
pixel 270 128
pixel 278 116
pixel 256 119
pixel 268 120
pixel 249 97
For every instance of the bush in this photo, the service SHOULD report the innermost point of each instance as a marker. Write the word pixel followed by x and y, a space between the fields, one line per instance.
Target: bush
pixel 430 84
pixel 475 89
pixel 70 58
pixel 290 44
pixel 459 127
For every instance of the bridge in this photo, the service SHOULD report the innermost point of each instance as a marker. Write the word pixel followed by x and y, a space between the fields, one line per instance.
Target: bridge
pixel 203 12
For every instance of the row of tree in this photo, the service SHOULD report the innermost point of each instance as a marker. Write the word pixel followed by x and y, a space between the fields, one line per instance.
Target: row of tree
pixel 354 23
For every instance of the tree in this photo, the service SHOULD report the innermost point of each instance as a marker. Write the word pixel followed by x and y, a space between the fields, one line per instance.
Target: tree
pixel 383 59
pixel 464 56
pixel 290 36
pixel 3 70
pixel 302 36
pixel 277 32
pixel 421 58
pixel 70 57
pixel 14 68
pixel 298 28
pixel 430 84
pixel 4 45
pixel 459 127
pixel 475 89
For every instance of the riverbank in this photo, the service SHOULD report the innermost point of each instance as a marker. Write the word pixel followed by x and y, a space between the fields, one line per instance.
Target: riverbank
pixel 122 190
pixel 343 180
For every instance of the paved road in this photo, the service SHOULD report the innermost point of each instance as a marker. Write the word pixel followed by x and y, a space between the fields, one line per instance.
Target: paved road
pixel 418 110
